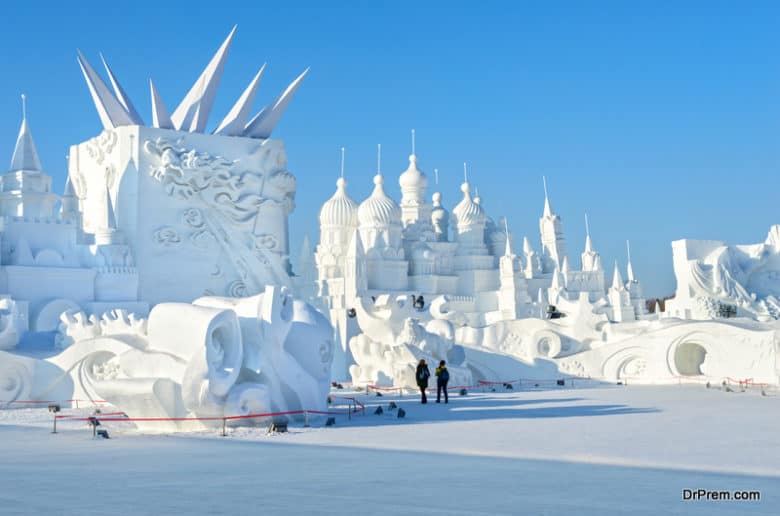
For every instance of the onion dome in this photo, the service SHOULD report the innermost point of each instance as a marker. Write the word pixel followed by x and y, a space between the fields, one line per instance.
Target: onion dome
pixel 339 210
pixel 379 209
pixel 467 212
pixel 413 182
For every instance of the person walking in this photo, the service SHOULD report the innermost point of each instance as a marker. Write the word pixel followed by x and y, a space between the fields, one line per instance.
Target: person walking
pixel 422 375
pixel 442 377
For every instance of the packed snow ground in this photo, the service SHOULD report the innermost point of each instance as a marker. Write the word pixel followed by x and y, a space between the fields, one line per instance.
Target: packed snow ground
pixel 606 450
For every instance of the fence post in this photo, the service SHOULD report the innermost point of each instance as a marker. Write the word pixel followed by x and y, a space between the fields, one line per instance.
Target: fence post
pixel 306 419
pixel 224 425
pixel 54 430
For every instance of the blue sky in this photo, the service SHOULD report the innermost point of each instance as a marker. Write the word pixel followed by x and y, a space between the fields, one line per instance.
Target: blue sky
pixel 660 119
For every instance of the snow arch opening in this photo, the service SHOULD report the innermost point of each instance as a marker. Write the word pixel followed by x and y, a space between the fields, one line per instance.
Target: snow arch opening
pixel 688 358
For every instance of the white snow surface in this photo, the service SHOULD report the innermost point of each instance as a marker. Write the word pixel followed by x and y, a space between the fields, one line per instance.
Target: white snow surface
pixel 599 450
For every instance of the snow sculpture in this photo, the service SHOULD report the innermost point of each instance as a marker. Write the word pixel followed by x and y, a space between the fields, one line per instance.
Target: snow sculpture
pixel 212 208
pixel 392 344
pixel 217 357
pixel 715 280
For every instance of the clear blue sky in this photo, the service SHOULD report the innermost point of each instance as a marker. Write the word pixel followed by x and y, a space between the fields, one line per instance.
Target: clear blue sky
pixel 661 119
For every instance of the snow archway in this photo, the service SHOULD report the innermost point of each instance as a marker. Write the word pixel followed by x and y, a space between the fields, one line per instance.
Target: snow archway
pixel 688 358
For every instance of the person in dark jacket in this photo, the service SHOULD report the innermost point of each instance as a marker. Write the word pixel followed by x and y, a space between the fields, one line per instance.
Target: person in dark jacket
pixel 442 377
pixel 422 375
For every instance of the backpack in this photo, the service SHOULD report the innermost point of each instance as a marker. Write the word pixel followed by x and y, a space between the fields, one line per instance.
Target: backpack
pixel 445 375
pixel 423 374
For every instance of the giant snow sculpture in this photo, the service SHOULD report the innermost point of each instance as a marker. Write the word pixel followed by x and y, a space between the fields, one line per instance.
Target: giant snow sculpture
pixel 217 357
pixel 715 280
pixel 193 224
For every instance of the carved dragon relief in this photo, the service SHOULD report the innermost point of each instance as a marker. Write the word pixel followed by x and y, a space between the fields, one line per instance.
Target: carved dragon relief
pixel 223 209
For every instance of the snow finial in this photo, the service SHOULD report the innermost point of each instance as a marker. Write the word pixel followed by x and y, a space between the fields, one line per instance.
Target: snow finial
pixel 630 268
pixel 547 209
pixel 378 158
pixel 436 176
pixel 587 225
pixel 413 153
pixel 465 173
pixel 342 162
pixel 24 106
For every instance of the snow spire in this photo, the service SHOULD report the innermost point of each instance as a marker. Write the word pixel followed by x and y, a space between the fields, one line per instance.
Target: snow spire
pixel 192 114
pixel 264 122
pixel 588 242
pixel 413 153
pixel 527 246
pixel 547 208
pixel 556 280
pixel 565 269
pixel 120 93
pixel 378 158
pixel 617 279
pixel 25 156
pixel 630 268
pixel 508 247
pixel 110 217
pixel 342 162
pixel 465 174
pixel 234 122
pixel 160 117
pixel 436 176
pixel 69 190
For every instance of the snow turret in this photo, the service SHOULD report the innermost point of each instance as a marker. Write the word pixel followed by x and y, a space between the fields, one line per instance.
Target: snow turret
pixel 551 230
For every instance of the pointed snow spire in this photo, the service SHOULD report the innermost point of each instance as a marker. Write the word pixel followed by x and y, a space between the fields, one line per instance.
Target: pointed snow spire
pixel 160 117
pixel 263 123
pixel 192 114
pixel 508 247
pixel 565 269
pixel 25 156
pixel 547 208
pixel 527 249
pixel 69 190
pixel 630 268
pixel 69 205
pixel 111 112
pixel 557 282
pixel 120 94
pixel 588 242
pixel 234 122
pixel 617 279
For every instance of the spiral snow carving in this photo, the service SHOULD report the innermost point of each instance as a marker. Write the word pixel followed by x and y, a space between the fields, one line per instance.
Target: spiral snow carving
pixel 16 380
pixel 209 338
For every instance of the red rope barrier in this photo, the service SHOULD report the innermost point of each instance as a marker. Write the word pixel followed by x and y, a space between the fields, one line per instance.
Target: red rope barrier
pixel 223 418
